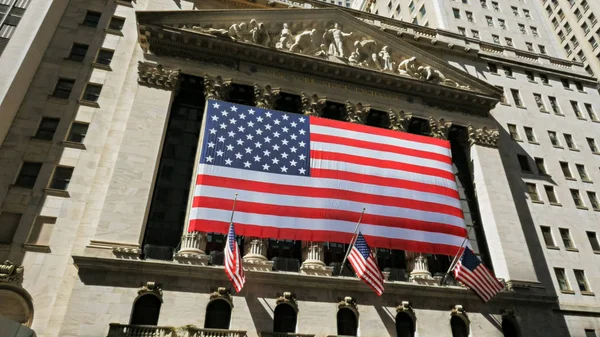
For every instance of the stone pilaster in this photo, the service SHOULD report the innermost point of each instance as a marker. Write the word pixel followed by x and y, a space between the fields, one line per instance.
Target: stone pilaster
pixel 357 113
pixel 216 88
pixel 313 264
pixel 312 105
pixel 256 255
pixel 483 136
pixel 439 128
pixel 399 120
pixel 265 97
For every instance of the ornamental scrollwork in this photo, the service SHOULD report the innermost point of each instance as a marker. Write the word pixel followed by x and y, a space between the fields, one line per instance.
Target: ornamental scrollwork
pixel 357 113
pixel 312 105
pixel 150 288
pixel 483 136
pixel 399 120
pixel 439 128
pixel 223 294
pixel 287 298
pixel 155 75
pixel 265 97
pixel 11 273
pixel 348 302
pixel 216 88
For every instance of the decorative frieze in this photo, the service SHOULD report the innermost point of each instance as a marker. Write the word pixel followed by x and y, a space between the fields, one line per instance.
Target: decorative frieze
pixel 155 75
pixel 399 120
pixel 357 113
pixel 312 105
pixel 483 136
pixel 439 128
pixel 151 288
pixel 11 273
pixel 265 97
pixel 216 88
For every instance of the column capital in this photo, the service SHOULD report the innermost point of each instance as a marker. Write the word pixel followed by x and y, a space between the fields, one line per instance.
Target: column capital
pixel 483 136
pixel 357 113
pixel 420 266
pixel 216 87
pixel 399 120
pixel 11 273
pixel 256 254
pixel 439 128
pixel 312 253
pixel 312 105
pixel 265 97
pixel 155 75
pixel 192 249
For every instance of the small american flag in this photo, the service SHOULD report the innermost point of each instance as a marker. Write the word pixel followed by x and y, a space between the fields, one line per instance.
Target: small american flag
pixel 470 271
pixel 233 261
pixel 307 178
pixel 364 264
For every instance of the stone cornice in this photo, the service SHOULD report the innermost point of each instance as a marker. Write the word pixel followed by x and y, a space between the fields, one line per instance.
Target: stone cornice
pixel 483 136
pixel 154 75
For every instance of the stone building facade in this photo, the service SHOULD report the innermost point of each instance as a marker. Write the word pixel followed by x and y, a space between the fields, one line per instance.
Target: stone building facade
pixel 98 162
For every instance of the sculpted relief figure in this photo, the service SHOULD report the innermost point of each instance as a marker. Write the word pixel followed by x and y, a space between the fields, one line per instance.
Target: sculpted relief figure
pixel 409 67
pixel 260 35
pixel 335 38
pixel 304 42
pixel 239 31
pixel 386 58
pixel 285 38
pixel 366 53
pixel 433 75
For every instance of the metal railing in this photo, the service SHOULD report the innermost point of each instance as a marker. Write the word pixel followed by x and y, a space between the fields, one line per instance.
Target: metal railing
pixel 197 332
pixel 127 330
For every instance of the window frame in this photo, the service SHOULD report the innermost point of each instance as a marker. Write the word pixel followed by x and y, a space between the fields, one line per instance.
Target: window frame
pixel 567 286
pixel 20 177
pixel 548 230
pixel 584 280
pixel 80 57
pixel 85 95
pixel 54 183
pixel 50 131
pixel 85 21
pixel 57 88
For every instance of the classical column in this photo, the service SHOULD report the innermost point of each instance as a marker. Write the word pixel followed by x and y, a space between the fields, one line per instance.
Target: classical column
pixel 399 120
pixel 256 254
pixel 265 97
pixel 312 105
pixel 216 87
pixel 357 113
pixel 417 263
pixel 439 128
pixel 312 253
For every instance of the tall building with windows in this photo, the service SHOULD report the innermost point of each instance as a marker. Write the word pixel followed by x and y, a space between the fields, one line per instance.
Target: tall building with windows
pixel 575 24
pixel 98 163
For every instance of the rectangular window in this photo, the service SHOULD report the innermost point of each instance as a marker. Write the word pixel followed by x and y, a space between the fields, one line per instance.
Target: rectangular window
pixel 104 56
pixel 91 19
pixel 496 6
pixel 529 46
pixel 512 130
pixel 578 85
pixel 554 105
pixel 570 142
pixel 582 282
pixel 529 134
pixel 594 200
pixel 516 97
pixel 590 111
pixel 61 178
pixel 92 92
pixel 577 198
pixel 456 13
pixel 564 166
pixel 565 83
pixel 561 278
pixel 522 28
pixel 534 31
pixel 475 34
pixel 582 172
pixel 592 144
pixel 422 11
pixel 502 24
pixel 590 333
pixel 42 231
pixel 28 174
pixel 490 21
pixel 547 234
pixel 469 16
pixel 542 49
pixel 63 88
pixel 576 109
pixel 508 41
pixel 544 79
pixel 565 235
pixel 593 238
pixel 540 102
pixel 508 71
pixel 47 128
pixel 532 191
pixel 515 10
pixel 496 39
pixel 541 166
pixel 554 139
pixel 493 68
pixel 551 194
pixel 462 31
pixel 8 226
pixel 530 76
pixel 483 3
pixel 78 52
pixel 116 23
pixel 78 132
pixel 524 163
pixel 526 13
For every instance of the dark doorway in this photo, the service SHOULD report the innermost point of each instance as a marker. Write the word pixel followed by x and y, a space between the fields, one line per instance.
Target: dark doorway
pixel 459 327
pixel 145 310
pixel 347 323
pixel 218 315
pixel 284 319
pixel 404 325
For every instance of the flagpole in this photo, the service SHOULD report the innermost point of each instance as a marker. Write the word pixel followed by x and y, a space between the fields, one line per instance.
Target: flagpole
pixel 455 258
pixel 233 209
pixel 352 241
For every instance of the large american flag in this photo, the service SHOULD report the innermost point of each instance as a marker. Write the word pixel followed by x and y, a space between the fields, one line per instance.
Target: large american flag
pixel 233 261
pixel 470 271
pixel 364 264
pixel 308 178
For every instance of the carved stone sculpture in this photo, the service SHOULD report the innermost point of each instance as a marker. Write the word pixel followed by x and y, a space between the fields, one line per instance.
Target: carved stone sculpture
pixel 222 293
pixel 357 113
pixel 240 31
pixel 285 38
pixel 216 88
pixel 287 298
pixel 483 136
pixel 348 302
pixel 304 42
pixel 439 128
pixel 399 121
pixel 150 288
pixel 260 35
pixel 366 53
pixel 386 58
pixel 405 306
pixel 213 31
pixel 312 105
pixel 265 97
pixel 409 67
pixel 334 38
pixel 154 75
pixel 11 273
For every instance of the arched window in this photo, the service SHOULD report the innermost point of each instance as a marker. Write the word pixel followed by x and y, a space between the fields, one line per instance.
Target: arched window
pixel 146 310
pixel 285 318
pixel 509 329
pixel 347 323
pixel 218 315
pixel 459 327
pixel 404 325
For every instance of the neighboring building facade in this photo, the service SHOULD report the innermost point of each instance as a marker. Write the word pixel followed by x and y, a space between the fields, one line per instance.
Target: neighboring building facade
pixel 97 168
pixel 576 27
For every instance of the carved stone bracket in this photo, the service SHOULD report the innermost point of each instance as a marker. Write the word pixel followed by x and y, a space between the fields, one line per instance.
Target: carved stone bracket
pixel 439 128
pixel 11 273
pixel 155 75
pixel 287 298
pixel 459 311
pixel 357 113
pixel 399 120
pixel 405 306
pixel 348 302
pixel 151 288
pixel 483 136
pixel 223 294
pixel 312 105
pixel 265 97
pixel 216 88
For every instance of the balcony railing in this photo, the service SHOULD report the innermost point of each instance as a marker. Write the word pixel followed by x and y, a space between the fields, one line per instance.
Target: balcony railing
pixel 126 330
pixel 284 334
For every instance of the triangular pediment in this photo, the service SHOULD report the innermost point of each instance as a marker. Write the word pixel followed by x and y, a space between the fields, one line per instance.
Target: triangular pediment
pixel 322 35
